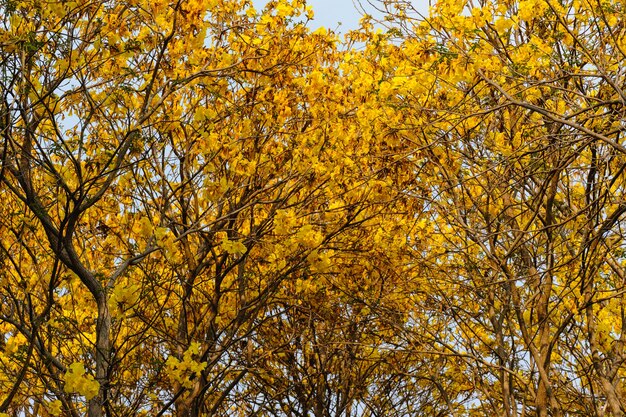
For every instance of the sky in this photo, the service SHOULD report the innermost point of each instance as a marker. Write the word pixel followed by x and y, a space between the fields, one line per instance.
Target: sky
pixel 329 13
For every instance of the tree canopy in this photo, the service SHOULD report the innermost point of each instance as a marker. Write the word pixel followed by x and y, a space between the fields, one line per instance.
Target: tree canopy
pixel 213 208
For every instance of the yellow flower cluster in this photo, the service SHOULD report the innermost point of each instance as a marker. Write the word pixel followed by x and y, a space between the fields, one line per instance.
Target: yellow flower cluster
pixel 181 370
pixel 77 380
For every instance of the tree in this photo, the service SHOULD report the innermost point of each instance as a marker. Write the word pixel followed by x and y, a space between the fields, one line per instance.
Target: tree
pixel 513 113
pixel 209 209
pixel 169 173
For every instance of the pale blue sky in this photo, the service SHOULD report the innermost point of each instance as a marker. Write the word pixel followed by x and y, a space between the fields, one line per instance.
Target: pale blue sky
pixel 329 13
pixel 348 12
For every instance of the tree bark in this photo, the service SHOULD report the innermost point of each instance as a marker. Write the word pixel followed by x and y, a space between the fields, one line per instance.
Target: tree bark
pixel 103 359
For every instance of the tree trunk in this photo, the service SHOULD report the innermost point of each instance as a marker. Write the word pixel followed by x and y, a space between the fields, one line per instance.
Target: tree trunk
pixel 103 359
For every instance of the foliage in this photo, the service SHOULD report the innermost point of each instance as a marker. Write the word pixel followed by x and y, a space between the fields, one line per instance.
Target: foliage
pixel 209 209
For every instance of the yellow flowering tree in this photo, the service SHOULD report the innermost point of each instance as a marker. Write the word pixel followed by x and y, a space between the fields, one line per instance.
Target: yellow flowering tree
pixel 170 172
pixel 512 113
pixel 213 208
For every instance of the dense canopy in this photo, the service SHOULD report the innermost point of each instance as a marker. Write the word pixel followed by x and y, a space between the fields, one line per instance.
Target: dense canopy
pixel 213 207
